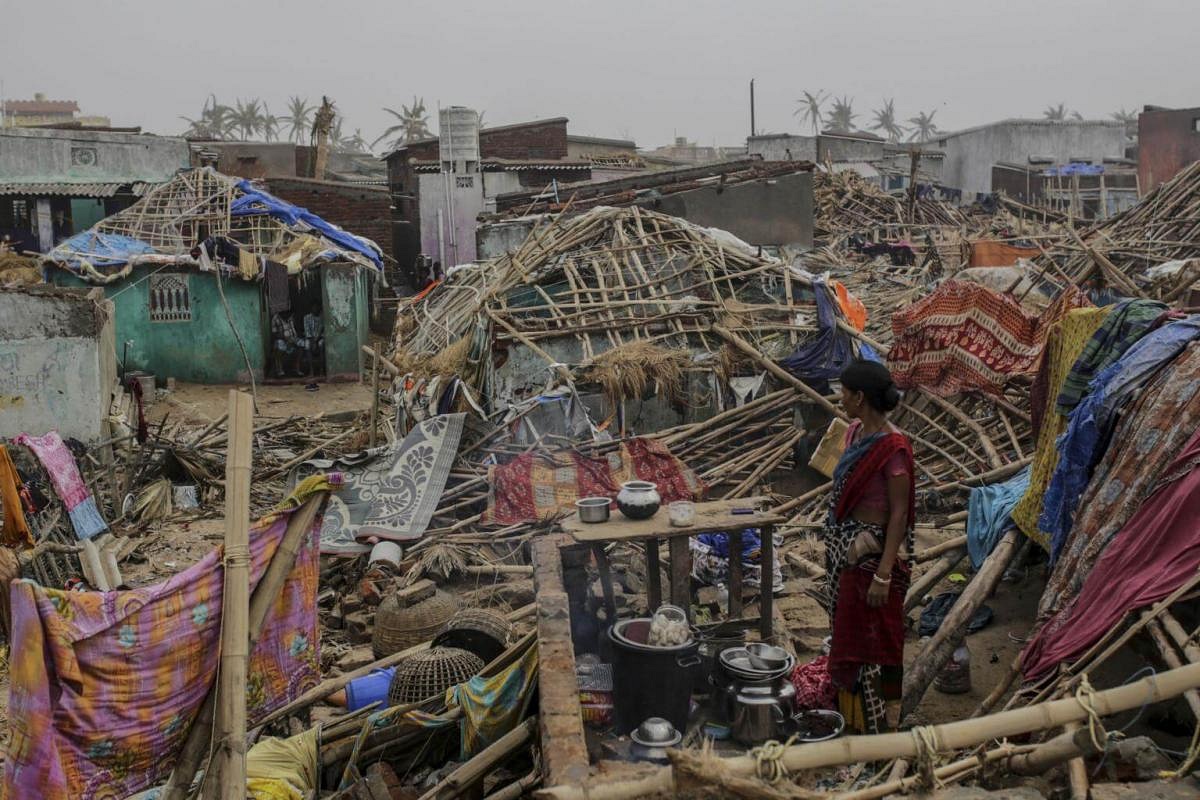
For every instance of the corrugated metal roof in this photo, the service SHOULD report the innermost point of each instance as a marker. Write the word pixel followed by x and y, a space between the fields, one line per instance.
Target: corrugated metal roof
pixel 73 189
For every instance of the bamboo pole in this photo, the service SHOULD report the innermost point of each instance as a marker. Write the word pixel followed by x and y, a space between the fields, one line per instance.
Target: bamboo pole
pixel 945 738
pixel 478 767
pixel 953 628
pixel 779 372
pixel 196 745
pixel 1069 745
pixel 226 778
pixel 375 372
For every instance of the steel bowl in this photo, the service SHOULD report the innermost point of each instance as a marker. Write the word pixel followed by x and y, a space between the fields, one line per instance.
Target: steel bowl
pixel 800 724
pixel 765 656
pixel 593 509
pixel 656 732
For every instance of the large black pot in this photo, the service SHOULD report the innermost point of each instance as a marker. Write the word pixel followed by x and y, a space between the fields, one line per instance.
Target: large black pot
pixel 650 681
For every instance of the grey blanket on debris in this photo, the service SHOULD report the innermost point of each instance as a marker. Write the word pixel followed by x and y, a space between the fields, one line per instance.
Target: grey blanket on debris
pixel 390 492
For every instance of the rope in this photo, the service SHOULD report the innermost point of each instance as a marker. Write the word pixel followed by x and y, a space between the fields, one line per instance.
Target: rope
pixel 1085 696
pixel 1193 753
pixel 925 738
pixel 768 760
pixel 237 556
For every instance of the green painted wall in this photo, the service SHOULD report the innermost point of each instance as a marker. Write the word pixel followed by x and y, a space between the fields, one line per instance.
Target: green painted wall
pixel 202 350
pixel 347 320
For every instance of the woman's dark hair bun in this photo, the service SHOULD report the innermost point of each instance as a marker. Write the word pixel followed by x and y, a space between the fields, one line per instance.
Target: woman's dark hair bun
pixel 874 381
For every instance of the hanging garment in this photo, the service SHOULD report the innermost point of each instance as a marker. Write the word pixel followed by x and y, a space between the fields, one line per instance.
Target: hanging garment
pixel 1151 556
pixel 1066 340
pixel 1124 325
pixel 68 483
pixel 989 514
pixel 248 265
pixel 1150 432
pixel 16 531
pixel 279 299
pixel 1090 425
pixel 106 685
pixel 746 389
pixel 822 357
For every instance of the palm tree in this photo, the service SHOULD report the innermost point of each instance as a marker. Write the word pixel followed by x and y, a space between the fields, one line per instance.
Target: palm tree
pixel 298 119
pixel 810 108
pixel 355 144
pixel 413 124
pixel 270 124
pixel 841 117
pixel 1056 113
pixel 885 120
pixel 215 121
pixel 248 117
pixel 923 128
pixel 1128 117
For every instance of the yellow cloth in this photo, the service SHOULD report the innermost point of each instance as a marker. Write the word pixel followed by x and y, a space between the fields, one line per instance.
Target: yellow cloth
pixel 15 532
pixel 1064 344
pixel 282 769
pixel 492 707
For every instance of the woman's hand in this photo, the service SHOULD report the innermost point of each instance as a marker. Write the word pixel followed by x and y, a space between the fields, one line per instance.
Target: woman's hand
pixel 877 595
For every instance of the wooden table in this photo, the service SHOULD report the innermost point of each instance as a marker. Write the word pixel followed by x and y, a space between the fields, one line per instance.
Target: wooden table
pixel 713 517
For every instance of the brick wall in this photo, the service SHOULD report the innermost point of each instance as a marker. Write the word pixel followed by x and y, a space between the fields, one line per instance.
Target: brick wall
pixel 362 210
pixel 531 141
pixel 1168 141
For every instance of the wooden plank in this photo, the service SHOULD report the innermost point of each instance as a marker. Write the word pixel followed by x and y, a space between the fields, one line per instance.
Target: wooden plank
pixel 229 779
pixel 681 574
pixel 653 575
pixel 735 573
pixel 767 583
pixel 711 517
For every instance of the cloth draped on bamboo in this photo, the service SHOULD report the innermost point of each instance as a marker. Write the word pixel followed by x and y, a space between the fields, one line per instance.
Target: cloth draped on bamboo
pixel 1151 431
pixel 392 491
pixel 989 514
pixel 1090 425
pixel 538 486
pixel 966 337
pixel 68 483
pixel 1125 324
pixel 105 685
pixel 821 358
pixel 1154 553
pixel 1063 345
pixel 493 706
pixel 16 531
pixel 283 769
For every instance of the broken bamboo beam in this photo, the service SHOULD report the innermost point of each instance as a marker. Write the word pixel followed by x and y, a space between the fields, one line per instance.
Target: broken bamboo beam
pixel 953 628
pixel 1069 745
pixel 779 372
pixel 479 766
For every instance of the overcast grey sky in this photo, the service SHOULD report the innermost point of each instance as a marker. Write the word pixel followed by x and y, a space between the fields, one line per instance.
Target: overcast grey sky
pixel 646 69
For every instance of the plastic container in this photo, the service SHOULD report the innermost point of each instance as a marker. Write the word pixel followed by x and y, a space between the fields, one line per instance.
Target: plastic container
pixel 361 692
pixel 650 681
pixel 955 677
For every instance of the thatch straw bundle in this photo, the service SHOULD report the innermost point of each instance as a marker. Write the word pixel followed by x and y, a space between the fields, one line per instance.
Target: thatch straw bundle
pixel 626 372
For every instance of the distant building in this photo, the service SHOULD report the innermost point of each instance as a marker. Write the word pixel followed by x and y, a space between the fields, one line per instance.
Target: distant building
pixel 440 185
pixel 684 152
pixel 1085 191
pixel 1168 141
pixel 885 163
pixel 56 182
pixel 971 153
pixel 40 111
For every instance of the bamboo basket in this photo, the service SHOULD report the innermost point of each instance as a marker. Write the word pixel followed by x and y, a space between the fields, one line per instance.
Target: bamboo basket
pixel 398 627
pixel 431 673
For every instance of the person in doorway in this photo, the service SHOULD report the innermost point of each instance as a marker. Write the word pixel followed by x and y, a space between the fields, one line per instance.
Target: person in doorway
pixel 285 347
pixel 868 540
pixel 313 342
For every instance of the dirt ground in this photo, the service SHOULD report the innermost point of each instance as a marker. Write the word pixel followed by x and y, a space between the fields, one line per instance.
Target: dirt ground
pixel 204 403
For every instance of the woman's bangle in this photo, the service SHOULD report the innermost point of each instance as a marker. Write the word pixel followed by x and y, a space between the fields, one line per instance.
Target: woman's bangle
pixel 882 581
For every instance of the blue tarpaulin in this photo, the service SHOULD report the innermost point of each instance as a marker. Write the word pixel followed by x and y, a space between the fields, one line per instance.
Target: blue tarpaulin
pixel 1066 170
pixel 99 249
pixel 824 356
pixel 256 201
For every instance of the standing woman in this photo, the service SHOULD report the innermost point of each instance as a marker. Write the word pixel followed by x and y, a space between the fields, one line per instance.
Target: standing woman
pixel 868 539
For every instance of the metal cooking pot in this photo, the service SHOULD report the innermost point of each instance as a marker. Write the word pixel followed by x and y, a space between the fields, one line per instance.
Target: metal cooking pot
pixel 593 509
pixel 761 713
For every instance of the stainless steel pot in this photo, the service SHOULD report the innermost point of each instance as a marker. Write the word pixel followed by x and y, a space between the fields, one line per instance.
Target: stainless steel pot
pixel 593 509
pixel 761 713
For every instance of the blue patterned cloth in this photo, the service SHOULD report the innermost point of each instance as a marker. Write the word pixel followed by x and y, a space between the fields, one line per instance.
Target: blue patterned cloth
pixel 824 356
pixel 1091 423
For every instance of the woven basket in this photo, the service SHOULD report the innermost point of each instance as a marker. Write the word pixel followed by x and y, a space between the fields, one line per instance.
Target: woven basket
pixel 398 627
pixel 477 630
pixel 431 673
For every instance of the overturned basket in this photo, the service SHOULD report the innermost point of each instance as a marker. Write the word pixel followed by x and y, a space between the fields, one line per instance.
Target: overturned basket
pixel 431 673
pixel 477 630
pixel 402 621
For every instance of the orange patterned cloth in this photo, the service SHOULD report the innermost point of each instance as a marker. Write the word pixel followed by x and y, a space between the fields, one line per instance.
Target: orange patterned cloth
pixel 965 337
pixel 105 685
pixel 851 306
pixel 539 486
pixel 15 532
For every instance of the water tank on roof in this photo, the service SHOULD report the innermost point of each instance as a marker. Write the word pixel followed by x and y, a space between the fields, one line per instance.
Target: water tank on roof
pixel 458 134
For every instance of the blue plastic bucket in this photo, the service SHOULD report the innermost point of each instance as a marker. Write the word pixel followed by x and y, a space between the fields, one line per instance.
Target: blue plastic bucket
pixel 368 689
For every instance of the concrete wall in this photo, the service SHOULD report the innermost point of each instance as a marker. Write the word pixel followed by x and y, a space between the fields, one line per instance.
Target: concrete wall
pixel 88 156
pixel 497 238
pixel 833 147
pixel 362 210
pixel 57 366
pixel 1167 142
pixel 783 147
pixel 970 154
pixel 774 211
pixel 202 350
pixel 580 147
pixel 260 159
